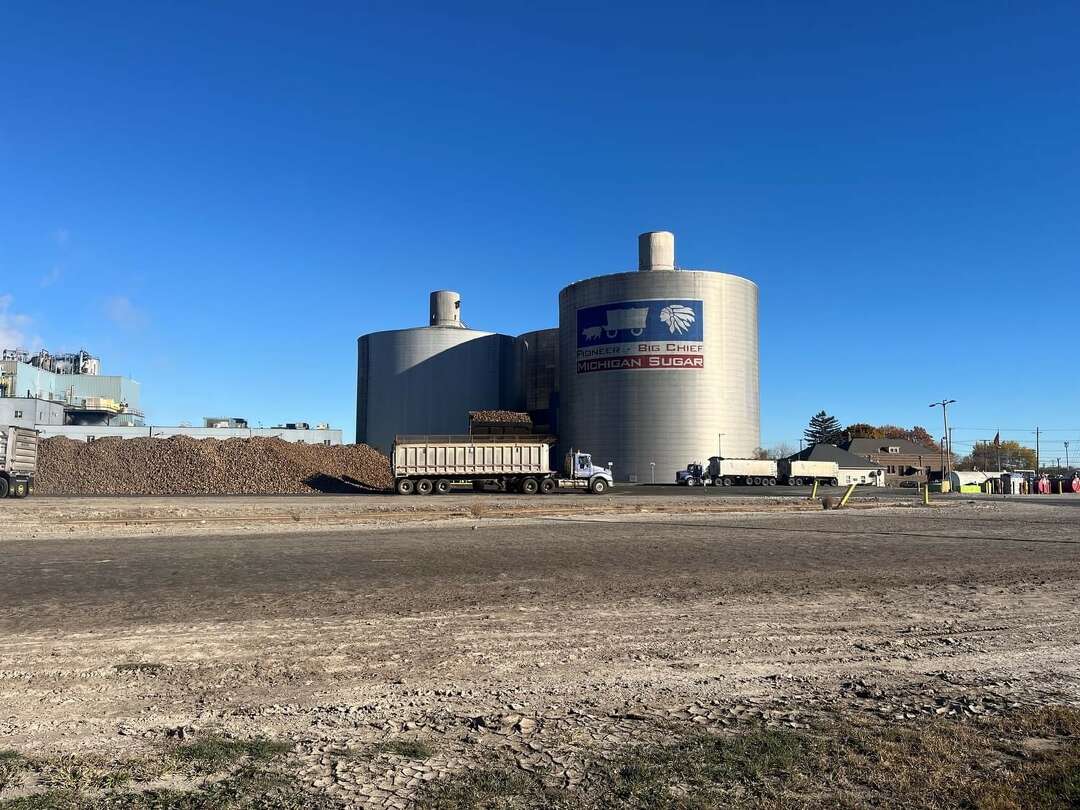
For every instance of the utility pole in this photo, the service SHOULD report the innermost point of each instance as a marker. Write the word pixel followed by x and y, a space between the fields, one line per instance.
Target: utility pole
pixel 1036 451
pixel 944 405
pixel 1067 455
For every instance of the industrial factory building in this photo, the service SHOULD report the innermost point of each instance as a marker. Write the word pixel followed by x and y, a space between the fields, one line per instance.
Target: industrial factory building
pixel 646 368
pixel 66 395
pixel 73 381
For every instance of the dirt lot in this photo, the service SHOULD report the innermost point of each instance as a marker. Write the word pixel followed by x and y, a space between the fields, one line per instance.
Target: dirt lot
pixel 387 663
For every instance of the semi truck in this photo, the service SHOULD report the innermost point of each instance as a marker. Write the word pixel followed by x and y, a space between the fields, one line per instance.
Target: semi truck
pixel 692 476
pixel 800 473
pixel 423 465
pixel 18 461
pixel 727 472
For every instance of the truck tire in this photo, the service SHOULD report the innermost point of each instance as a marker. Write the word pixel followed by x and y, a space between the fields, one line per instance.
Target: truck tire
pixel 770 481
pixel 548 485
pixel 403 486
pixel 833 482
pixel 4 487
pixel 424 487
pixel 19 490
pixel 442 487
pixel 529 486
pixel 598 486
pixel 728 482
pixel 798 482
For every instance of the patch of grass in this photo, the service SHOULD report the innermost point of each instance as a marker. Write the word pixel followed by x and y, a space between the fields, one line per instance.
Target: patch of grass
pixel 249 789
pixel 500 785
pixel 854 763
pixel 218 753
pixel 12 764
pixel 410 749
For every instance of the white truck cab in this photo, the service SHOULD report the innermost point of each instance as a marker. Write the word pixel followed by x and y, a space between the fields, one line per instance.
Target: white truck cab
pixel 580 468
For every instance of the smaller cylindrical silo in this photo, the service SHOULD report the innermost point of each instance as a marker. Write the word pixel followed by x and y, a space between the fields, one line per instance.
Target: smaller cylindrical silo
pixel 445 308
pixel 656 251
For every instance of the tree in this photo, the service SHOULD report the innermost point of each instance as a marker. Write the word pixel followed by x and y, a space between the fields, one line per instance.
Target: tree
pixel 781 450
pixel 917 434
pixel 1013 456
pixel 861 430
pixel 823 429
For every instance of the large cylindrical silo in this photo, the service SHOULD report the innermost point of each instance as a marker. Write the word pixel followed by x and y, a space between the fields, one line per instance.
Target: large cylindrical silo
pixel 659 367
pixel 426 380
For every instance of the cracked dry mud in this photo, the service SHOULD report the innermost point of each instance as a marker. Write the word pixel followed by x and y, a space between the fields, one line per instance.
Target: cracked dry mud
pixel 552 642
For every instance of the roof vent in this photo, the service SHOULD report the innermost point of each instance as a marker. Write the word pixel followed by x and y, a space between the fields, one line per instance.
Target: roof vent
pixel 656 251
pixel 445 308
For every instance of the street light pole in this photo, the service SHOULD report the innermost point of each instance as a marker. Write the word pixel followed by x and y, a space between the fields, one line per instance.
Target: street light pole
pixel 944 404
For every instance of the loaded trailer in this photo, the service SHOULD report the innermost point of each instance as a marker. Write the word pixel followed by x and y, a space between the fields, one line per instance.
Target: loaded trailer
pixel 727 472
pixel 423 465
pixel 798 473
pixel 18 461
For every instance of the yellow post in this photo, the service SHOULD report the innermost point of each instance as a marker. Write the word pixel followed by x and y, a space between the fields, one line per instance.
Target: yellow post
pixel 926 494
pixel 850 489
pixel 1060 490
pixel 813 492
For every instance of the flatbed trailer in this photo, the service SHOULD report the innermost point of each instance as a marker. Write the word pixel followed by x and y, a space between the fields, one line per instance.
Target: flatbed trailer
pixel 423 465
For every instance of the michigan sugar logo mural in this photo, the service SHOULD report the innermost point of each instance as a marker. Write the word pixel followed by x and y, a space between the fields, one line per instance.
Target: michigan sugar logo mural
pixel 652 334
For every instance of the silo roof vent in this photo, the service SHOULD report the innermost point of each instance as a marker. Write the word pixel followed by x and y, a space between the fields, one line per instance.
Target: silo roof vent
pixel 656 251
pixel 445 309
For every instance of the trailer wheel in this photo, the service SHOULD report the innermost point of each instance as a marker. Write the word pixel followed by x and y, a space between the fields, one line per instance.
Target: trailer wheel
pixel 423 486
pixel 770 481
pixel 19 490
pixel 548 485
pixel 798 482
pixel 403 486
pixel 4 487
pixel 529 486
pixel 728 482
pixel 442 486
pixel 833 482
pixel 598 486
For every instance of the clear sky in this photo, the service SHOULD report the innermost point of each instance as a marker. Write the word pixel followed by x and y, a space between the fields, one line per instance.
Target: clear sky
pixel 218 198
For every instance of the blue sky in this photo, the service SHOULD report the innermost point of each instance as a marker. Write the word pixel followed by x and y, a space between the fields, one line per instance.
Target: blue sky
pixel 218 198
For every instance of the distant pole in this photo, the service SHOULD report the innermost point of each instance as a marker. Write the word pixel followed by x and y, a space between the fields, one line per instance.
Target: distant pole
pixel 1036 451
pixel 944 404
pixel 1067 466
pixel 999 448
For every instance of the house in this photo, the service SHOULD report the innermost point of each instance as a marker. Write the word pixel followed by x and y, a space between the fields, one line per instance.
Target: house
pixel 853 469
pixel 902 459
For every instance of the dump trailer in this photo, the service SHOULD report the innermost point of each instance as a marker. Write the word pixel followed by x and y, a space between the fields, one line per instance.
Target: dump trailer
pixel 799 473
pixel 18 461
pixel 728 472
pixel 423 465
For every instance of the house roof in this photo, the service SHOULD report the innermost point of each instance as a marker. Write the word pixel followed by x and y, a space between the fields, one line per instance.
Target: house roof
pixel 865 447
pixel 828 452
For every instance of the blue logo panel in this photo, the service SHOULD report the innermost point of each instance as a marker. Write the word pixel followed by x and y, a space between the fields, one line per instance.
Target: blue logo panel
pixel 627 321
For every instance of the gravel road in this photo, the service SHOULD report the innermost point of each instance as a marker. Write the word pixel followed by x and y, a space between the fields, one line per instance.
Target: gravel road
pixel 571 624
